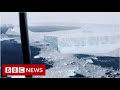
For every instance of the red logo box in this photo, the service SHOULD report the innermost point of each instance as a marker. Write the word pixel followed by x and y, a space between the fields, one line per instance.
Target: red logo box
pixel 23 69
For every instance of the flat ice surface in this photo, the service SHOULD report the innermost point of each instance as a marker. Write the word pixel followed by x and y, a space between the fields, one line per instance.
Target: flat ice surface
pixel 76 41
pixel 2 39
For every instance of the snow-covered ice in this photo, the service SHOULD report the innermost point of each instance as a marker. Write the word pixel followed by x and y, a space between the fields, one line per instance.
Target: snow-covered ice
pixel 89 61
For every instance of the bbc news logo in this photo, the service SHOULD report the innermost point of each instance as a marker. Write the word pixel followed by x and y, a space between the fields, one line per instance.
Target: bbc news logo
pixel 23 69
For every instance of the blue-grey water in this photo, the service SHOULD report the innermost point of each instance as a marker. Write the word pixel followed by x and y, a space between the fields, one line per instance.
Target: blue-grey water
pixel 103 61
pixel 77 76
pixel 11 53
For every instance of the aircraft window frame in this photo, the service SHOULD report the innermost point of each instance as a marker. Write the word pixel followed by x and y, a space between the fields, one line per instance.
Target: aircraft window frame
pixel 24 38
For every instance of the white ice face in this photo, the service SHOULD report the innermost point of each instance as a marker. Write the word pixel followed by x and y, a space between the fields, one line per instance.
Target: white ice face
pixel 85 40
pixel 13 31
pixel 89 45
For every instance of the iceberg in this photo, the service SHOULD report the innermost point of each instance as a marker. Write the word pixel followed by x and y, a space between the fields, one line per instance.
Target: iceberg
pixel 15 31
pixel 97 44
pixel 77 41
pixel 89 39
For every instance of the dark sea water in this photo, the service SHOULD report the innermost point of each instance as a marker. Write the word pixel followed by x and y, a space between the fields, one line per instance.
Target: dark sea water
pixel 77 76
pixel 11 53
pixel 82 56
pixel 103 61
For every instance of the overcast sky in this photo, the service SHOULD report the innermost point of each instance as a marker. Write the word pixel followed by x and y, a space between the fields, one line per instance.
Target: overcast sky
pixel 82 17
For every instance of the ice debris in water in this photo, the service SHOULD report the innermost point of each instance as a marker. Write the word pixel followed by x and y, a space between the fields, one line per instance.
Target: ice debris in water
pixel 36 56
pixel 89 61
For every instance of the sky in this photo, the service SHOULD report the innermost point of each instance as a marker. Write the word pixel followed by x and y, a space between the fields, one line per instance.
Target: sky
pixel 52 17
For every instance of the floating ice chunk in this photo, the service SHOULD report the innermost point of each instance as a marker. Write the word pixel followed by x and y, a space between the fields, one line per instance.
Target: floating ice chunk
pixel 14 31
pixel 71 73
pixel 89 61
pixel 95 58
pixel 48 57
pixel 65 63
pixel 38 56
